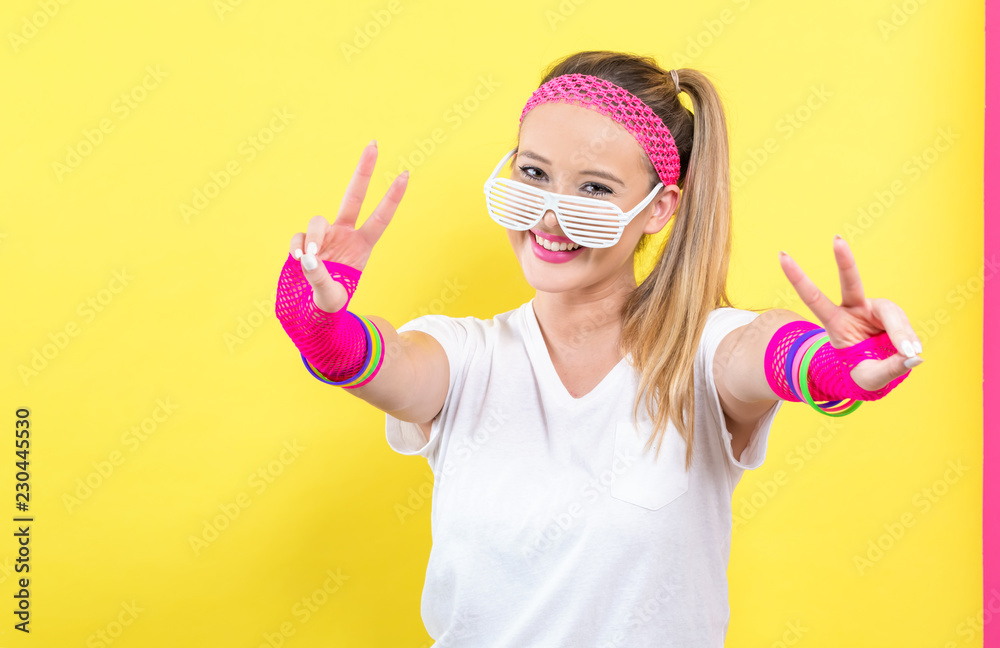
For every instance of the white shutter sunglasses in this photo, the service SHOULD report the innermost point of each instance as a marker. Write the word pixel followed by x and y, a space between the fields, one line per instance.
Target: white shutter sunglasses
pixel 586 221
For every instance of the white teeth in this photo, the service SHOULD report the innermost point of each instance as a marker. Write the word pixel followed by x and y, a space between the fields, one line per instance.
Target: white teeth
pixel 555 247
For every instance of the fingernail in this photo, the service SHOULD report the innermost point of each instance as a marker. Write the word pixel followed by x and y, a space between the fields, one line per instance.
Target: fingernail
pixel 919 347
pixel 373 143
pixel 297 253
pixel 908 349
pixel 910 363
pixel 405 175
pixel 838 236
pixel 309 262
pixel 312 248
pixel 782 253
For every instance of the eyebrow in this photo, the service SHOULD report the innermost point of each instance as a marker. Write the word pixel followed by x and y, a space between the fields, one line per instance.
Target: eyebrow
pixel 595 172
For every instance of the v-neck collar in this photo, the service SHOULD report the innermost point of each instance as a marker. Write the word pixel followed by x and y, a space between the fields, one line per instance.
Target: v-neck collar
pixel 540 357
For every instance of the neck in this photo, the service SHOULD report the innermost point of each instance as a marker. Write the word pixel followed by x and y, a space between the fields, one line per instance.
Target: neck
pixel 584 321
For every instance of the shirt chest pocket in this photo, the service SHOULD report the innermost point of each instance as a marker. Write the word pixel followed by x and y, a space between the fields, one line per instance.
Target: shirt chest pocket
pixel 639 478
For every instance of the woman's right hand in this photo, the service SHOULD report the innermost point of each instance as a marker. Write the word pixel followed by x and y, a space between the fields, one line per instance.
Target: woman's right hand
pixel 340 241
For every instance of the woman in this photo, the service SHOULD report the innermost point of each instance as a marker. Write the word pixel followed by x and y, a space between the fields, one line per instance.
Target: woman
pixel 586 445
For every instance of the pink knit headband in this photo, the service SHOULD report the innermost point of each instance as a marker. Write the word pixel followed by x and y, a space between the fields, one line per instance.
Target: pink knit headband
pixel 620 105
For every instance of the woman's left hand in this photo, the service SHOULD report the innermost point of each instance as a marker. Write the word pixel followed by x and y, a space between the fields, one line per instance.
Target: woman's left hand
pixel 858 318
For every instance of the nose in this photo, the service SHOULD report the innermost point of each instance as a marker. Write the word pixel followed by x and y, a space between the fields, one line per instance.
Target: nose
pixel 550 221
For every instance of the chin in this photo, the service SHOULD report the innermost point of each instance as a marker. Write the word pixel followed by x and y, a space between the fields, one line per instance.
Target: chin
pixel 547 282
pixel 541 275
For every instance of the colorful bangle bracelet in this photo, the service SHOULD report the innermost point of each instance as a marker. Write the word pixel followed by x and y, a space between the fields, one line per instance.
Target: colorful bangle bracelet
pixel 793 364
pixel 373 359
pixel 793 356
pixel 797 363
pixel 842 407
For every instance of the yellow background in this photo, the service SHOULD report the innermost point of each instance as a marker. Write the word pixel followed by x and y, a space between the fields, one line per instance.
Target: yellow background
pixel 192 325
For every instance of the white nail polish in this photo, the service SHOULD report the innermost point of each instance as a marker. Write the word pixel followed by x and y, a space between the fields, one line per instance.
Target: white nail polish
pixel 910 363
pixel 309 262
pixel 908 349
pixel 312 248
pixel 919 347
pixel 297 254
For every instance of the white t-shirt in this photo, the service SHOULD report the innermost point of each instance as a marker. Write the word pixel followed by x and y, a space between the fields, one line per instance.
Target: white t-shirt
pixel 549 528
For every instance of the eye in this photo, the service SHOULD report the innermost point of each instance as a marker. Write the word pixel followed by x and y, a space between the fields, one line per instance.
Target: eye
pixel 595 189
pixel 531 173
pixel 589 188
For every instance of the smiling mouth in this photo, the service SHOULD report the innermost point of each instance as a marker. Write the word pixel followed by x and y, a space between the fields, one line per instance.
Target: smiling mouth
pixel 553 246
pixel 550 255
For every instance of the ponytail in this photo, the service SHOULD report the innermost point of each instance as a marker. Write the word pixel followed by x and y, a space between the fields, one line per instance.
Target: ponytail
pixel 662 320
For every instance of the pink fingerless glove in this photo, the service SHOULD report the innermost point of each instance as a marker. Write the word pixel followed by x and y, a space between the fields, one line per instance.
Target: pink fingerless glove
pixel 829 373
pixel 335 344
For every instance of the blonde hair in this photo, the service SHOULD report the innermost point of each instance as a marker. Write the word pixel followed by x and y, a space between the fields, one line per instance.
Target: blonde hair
pixel 662 320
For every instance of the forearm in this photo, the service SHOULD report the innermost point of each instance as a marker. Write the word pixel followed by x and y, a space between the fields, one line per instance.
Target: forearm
pixel 413 381
pixel 740 359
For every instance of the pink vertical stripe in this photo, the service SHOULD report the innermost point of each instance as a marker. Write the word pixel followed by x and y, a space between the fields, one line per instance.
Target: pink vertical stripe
pixel 991 351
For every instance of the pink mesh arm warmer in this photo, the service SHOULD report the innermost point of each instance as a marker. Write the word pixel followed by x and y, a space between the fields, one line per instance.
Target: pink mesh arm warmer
pixel 829 376
pixel 335 344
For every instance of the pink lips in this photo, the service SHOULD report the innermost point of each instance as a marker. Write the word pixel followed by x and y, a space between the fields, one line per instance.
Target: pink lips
pixel 550 255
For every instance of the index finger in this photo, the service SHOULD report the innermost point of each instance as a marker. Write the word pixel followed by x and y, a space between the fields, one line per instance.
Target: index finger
pixel 350 206
pixel 812 296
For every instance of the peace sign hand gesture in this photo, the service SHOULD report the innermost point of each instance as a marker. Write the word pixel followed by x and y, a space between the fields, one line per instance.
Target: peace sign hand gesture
pixel 858 318
pixel 340 241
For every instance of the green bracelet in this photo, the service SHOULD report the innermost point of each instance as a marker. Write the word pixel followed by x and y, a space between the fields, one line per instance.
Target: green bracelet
pixel 844 410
